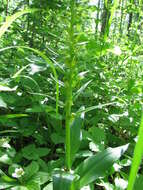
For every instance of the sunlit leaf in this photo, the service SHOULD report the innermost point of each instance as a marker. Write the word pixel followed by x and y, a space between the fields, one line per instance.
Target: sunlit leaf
pixel 11 19
pixel 96 166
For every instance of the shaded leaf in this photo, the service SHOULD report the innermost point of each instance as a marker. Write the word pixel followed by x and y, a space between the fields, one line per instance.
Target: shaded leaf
pixel 2 103
pixel 30 170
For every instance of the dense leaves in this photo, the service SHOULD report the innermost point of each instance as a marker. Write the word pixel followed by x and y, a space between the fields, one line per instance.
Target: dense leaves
pixel 70 88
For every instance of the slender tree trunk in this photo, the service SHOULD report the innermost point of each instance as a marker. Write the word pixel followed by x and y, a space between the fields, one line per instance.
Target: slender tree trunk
pixel 105 17
pixel 122 15
pixel 130 21
pixel 7 6
pixel 97 17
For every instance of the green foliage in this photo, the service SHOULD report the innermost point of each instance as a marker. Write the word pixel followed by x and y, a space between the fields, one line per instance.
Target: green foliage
pixel 96 166
pixel 138 153
pixel 71 88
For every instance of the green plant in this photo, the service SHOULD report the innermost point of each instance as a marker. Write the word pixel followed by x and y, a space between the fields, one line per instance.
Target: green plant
pixel 138 153
pixel 71 87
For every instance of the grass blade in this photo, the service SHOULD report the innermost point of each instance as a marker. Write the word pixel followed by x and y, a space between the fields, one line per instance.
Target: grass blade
pixel 11 19
pixel 138 153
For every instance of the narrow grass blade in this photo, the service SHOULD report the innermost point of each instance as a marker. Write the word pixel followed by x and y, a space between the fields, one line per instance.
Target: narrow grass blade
pixel 11 19
pixel 19 72
pixel 12 116
pixel 138 154
pixel 100 106
pixel 81 90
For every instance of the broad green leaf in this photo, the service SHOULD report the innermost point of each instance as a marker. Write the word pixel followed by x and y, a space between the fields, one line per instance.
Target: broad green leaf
pixel 4 185
pixel 75 138
pixel 138 154
pixel 63 181
pixel 57 138
pixel 96 166
pixel 30 170
pixel 33 186
pixel 55 164
pixel 30 152
pixel 42 151
pixel 40 178
pixel 11 19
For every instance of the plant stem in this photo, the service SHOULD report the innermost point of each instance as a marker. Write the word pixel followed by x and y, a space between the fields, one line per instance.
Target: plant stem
pixel 68 84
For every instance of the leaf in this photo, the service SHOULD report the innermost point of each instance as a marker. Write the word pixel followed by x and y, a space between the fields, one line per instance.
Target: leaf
pixel 30 152
pixel 30 170
pixel 42 151
pixel 63 181
pixel 4 185
pixel 36 109
pixel 19 72
pixel 97 134
pixel 100 106
pixel 82 88
pixel 5 159
pixel 138 183
pixel 40 178
pixel 33 186
pixel 7 89
pixel 11 19
pixel 49 187
pixel 76 134
pixel 96 166
pixel 138 153
pixel 19 187
pixel 57 138
pixel 36 68
pixel 12 116
pixel 2 103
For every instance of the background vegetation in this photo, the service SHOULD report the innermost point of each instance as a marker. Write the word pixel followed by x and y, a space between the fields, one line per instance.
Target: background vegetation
pixel 71 86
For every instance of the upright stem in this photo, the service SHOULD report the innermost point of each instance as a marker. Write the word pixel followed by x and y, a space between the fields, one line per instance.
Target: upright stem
pixel 68 83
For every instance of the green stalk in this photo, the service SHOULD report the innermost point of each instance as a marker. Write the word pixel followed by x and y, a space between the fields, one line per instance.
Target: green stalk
pixel 68 84
pixel 138 154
